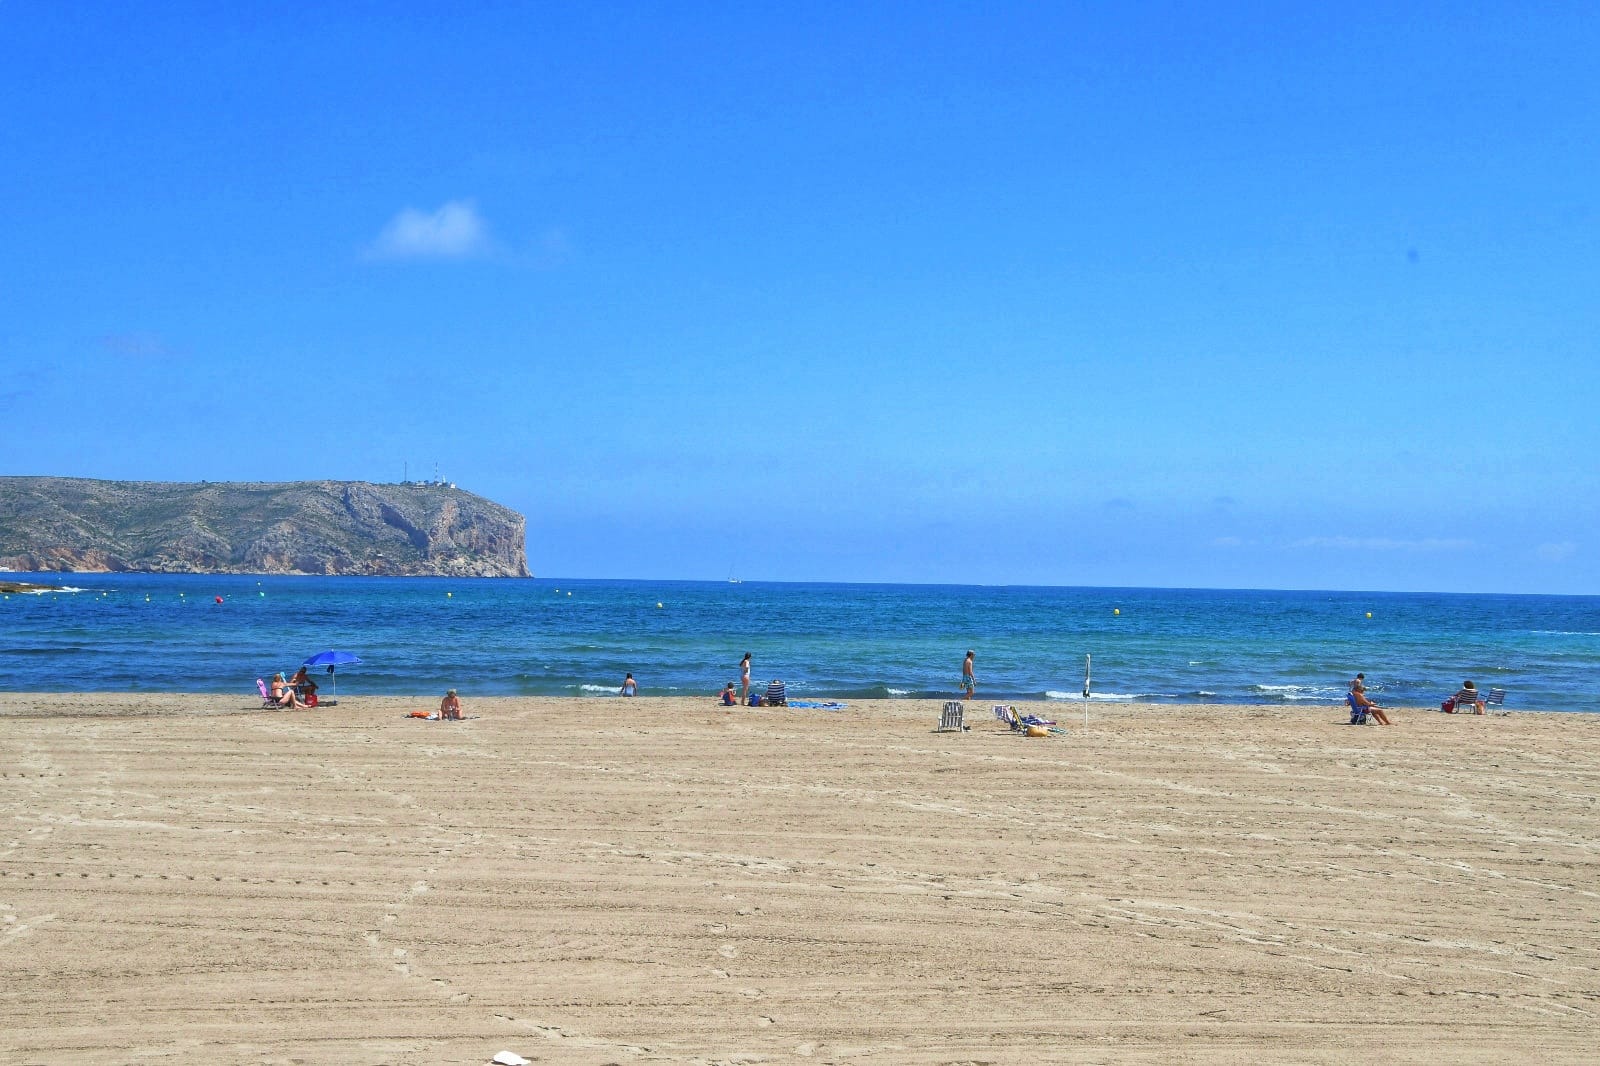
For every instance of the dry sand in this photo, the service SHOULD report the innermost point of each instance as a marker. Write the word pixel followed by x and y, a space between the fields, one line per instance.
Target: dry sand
pixel 652 880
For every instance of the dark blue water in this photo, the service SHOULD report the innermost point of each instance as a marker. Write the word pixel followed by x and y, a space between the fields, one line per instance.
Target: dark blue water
pixel 509 637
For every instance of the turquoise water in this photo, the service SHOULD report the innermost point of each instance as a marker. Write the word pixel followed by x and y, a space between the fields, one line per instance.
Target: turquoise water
pixel 551 637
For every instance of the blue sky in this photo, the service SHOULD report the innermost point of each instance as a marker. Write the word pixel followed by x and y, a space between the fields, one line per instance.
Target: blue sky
pixel 1176 295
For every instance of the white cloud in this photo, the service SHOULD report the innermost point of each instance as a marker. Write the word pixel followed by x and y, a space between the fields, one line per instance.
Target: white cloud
pixel 455 231
pixel 1555 553
pixel 1383 544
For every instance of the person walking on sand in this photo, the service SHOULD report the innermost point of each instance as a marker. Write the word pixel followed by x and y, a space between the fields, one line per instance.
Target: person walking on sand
pixel 744 678
pixel 969 681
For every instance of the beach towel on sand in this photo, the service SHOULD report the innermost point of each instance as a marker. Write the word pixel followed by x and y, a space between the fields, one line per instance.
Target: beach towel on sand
pixel 829 706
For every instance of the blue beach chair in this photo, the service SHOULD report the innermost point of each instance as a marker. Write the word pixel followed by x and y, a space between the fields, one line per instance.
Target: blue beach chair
pixel 1358 713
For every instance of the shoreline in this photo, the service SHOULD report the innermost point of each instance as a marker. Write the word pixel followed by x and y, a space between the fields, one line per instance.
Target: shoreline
pixel 147 703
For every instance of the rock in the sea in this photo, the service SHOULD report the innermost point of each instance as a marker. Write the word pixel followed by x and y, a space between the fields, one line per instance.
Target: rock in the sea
pixel 297 527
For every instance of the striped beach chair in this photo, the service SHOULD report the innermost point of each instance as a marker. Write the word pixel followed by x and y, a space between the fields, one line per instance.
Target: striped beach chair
pixel 1019 723
pixel 953 717
pixel 1495 702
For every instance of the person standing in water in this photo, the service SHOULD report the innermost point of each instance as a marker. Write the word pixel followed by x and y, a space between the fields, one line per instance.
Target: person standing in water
pixel 630 687
pixel 969 681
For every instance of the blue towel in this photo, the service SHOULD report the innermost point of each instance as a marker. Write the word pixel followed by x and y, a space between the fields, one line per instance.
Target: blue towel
pixel 819 706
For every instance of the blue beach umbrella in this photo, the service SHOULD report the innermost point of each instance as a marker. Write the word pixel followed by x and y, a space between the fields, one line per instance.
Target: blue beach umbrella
pixel 331 659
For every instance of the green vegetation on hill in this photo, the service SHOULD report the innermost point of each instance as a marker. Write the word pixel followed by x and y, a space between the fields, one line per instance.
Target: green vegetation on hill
pixel 299 527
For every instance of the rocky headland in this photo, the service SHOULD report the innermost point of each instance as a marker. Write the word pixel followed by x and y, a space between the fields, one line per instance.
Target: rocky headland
pixel 296 527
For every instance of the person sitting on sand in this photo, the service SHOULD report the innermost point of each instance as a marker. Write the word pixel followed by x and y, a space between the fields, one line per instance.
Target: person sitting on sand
pixel 1469 700
pixel 729 697
pixel 450 707
pixel 1359 697
pixel 283 692
pixel 630 687
pixel 304 687
pixel 776 696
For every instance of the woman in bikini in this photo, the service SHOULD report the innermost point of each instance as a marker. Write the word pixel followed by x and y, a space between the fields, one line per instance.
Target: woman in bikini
pixel 283 692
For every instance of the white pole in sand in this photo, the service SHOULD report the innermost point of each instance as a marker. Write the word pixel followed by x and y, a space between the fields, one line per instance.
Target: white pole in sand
pixel 1086 692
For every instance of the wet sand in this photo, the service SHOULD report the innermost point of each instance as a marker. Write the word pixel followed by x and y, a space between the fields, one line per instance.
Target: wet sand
pixel 655 880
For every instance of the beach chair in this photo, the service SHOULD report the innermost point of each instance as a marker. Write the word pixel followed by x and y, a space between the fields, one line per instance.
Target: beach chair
pixel 1019 723
pixel 266 693
pixel 953 717
pixel 1358 713
pixel 1495 702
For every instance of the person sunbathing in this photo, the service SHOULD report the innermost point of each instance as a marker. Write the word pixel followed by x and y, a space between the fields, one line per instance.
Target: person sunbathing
pixel 1469 700
pixel 1360 698
pixel 283 693
pixel 450 707
pixel 304 687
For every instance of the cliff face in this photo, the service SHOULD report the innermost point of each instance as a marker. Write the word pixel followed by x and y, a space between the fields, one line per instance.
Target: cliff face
pixel 298 527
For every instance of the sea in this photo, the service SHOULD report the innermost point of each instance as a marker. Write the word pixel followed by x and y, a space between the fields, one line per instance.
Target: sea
pixel 419 636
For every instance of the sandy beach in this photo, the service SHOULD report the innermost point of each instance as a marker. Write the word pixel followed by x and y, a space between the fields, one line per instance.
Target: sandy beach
pixel 663 880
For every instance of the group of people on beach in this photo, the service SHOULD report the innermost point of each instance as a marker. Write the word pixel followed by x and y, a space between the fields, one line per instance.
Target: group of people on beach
pixel 298 691
pixel 1467 700
pixel 777 693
